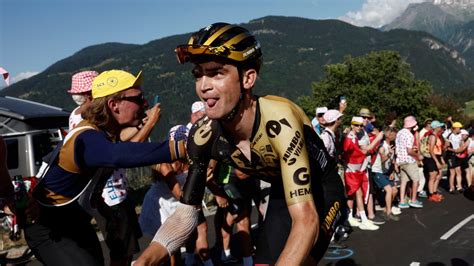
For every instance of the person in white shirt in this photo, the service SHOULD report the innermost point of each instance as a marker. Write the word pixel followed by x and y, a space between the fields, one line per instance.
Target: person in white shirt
pixel 328 135
pixel 454 162
pixel 383 173
pixel 318 120
pixel 407 157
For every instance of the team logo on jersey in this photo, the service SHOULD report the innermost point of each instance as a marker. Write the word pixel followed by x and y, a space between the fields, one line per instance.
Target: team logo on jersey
pixel 295 147
pixel 273 127
pixel 203 134
pixel 332 216
pixel 301 176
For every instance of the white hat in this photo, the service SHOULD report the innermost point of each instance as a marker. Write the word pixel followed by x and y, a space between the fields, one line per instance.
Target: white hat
pixel 357 120
pixel 464 132
pixel 321 110
pixel 331 115
pixel 197 106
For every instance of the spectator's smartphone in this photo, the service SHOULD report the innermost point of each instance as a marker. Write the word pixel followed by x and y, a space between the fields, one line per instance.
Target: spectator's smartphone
pixel 156 99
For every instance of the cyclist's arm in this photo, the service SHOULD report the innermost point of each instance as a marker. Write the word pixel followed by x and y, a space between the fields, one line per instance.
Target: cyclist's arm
pixel 295 170
pixel 303 234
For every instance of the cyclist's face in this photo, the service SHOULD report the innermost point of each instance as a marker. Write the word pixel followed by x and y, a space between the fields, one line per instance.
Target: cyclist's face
pixel 218 85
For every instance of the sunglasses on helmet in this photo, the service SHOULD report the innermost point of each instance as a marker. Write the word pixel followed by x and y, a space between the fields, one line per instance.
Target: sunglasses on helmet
pixel 184 52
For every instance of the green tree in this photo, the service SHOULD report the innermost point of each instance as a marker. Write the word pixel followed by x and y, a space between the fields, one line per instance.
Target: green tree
pixel 381 81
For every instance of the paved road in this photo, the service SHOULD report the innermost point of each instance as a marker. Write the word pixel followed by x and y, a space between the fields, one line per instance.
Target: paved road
pixel 414 240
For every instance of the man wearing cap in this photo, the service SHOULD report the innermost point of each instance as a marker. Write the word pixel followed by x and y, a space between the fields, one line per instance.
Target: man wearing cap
pixel 81 87
pixel 62 234
pixel 454 163
pixel 318 120
pixel 407 157
pixel 368 117
pixel 433 161
pixel 332 120
pixel 356 175
pixel 426 127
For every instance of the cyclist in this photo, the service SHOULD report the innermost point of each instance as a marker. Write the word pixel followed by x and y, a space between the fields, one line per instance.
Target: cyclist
pixel 269 137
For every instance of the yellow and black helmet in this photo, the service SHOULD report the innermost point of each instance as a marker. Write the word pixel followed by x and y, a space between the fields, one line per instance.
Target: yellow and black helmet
pixel 222 40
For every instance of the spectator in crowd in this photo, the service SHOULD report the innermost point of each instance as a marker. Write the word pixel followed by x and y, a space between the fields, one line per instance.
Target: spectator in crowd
pixel 383 173
pixel 356 175
pixel 197 111
pixel 114 212
pixel 81 92
pixel 368 117
pixel 371 131
pixel 234 206
pixel 433 162
pixel 391 119
pixel 63 234
pixel 407 157
pixel 318 120
pixel 162 197
pixel 454 162
pixel 426 127
pixel 448 128
pixel 421 175
pixel 463 155
pixel 471 154
pixel 332 120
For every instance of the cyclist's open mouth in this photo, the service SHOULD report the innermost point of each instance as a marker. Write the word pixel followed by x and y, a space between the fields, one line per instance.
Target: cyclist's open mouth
pixel 211 102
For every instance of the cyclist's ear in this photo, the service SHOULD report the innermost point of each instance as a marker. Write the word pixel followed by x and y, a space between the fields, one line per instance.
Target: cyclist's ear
pixel 249 77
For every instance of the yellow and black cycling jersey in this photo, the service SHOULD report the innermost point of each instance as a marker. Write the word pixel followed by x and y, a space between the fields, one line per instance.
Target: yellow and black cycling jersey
pixel 284 149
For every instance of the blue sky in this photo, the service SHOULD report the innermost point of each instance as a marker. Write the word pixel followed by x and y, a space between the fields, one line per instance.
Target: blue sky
pixel 35 34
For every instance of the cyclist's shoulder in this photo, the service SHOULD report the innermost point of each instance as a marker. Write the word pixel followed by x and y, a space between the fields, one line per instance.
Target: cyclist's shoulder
pixel 277 108
pixel 270 102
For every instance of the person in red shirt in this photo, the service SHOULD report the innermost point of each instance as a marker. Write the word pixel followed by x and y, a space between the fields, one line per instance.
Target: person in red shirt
pixel 356 146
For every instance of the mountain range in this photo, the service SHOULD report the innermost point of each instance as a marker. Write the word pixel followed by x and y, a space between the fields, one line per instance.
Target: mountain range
pixel 449 20
pixel 295 52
